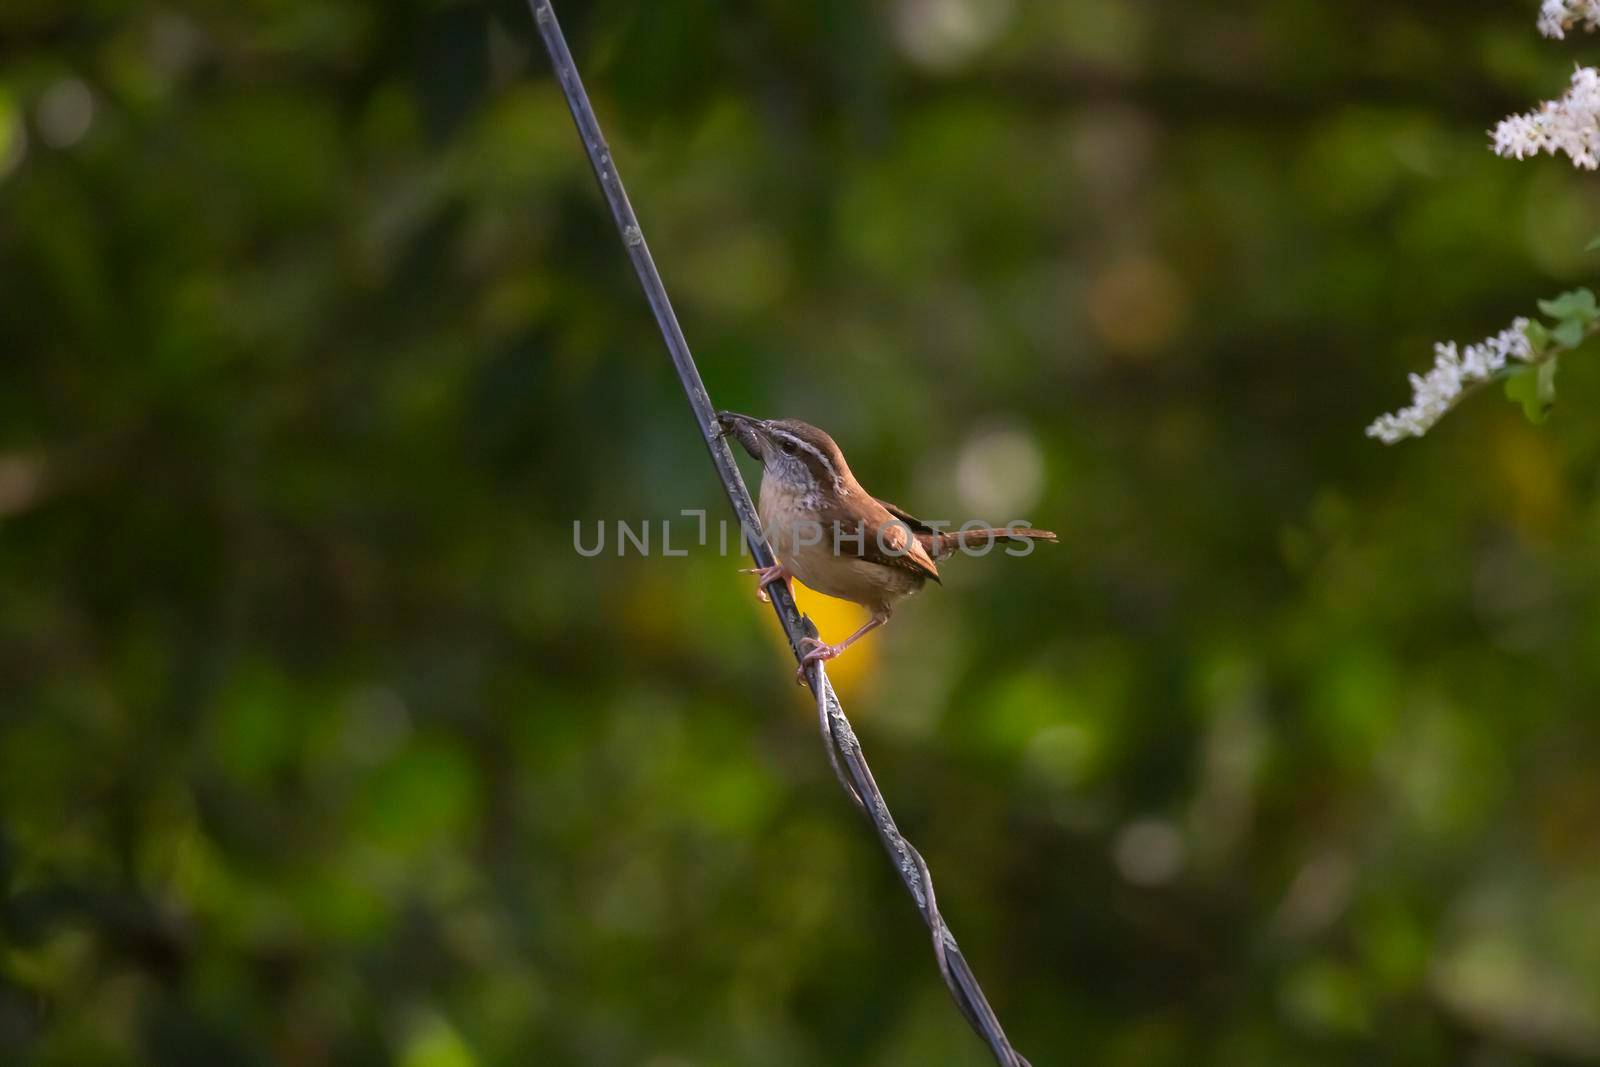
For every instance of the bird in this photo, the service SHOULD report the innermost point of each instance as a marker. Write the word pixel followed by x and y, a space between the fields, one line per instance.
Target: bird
pixel 836 537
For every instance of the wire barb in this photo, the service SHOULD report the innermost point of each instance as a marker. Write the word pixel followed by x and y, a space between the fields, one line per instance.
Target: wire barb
pixel 843 749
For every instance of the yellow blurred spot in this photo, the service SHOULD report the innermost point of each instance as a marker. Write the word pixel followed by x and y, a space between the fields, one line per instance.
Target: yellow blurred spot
pixel 836 620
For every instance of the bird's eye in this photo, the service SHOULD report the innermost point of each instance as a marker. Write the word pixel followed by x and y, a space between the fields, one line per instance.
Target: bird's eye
pixel 789 447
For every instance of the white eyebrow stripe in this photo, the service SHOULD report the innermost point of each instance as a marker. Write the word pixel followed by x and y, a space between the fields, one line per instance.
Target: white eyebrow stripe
pixel 814 450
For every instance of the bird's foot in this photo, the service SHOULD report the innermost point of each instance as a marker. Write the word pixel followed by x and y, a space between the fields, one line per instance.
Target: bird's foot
pixel 816 651
pixel 765 576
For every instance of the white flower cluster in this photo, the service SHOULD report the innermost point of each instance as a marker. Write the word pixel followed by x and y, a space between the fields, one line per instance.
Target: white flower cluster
pixel 1570 125
pixel 1435 392
pixel 1556 17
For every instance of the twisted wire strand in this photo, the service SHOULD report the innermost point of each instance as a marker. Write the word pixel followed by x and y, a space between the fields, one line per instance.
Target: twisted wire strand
pixel 839 738
pixel 855 777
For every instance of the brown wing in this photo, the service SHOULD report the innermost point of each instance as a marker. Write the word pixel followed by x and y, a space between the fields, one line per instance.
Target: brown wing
pixel 916 524
pixel 939 544
pixel 894 544
pixel 885 537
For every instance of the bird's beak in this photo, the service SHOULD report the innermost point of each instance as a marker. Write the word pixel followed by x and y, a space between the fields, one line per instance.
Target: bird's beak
pixel 743 427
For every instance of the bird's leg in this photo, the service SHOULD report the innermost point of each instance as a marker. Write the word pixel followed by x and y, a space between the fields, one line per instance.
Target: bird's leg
pixel 765 576
pixel 821 650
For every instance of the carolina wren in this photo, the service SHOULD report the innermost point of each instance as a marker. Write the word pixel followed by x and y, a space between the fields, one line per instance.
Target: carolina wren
pixel 835 536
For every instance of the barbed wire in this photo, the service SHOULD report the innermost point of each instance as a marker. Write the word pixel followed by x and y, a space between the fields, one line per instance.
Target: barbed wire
pixel 839 738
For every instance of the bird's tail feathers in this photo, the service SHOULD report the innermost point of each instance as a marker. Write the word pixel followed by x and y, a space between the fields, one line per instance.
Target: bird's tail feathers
pixel 943 545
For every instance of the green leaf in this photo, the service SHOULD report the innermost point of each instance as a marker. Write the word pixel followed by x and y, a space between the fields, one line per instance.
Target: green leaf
pixel 1534 387
pixel 1523 388
pixel 1578 304
pixel 1538 335
pixel 1569 334
pixel 1593 244
pixel 1547 383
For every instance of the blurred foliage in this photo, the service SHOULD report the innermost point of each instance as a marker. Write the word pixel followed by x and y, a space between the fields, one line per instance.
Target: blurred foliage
pixel 320 744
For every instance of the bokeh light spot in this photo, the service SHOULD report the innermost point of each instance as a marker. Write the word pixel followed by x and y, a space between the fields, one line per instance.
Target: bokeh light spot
pixel 1000 475
pixel 1148 852
pixel 945 34
pixel 65 112
pixel 1138 305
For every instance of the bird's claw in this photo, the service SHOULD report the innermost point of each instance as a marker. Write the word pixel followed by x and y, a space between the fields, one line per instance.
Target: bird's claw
pixel 819 651
pixel 765 576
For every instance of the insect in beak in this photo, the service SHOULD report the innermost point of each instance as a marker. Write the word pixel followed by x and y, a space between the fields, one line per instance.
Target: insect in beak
pixel 744 428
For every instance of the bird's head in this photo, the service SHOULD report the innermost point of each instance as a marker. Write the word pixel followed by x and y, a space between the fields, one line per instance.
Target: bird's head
pixel 801 457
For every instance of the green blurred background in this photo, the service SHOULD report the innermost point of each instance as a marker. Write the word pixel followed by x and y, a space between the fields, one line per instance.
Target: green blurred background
pixel 320 744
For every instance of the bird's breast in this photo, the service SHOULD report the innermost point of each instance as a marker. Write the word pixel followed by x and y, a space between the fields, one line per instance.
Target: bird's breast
pixel 808 551
pixel 787 517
